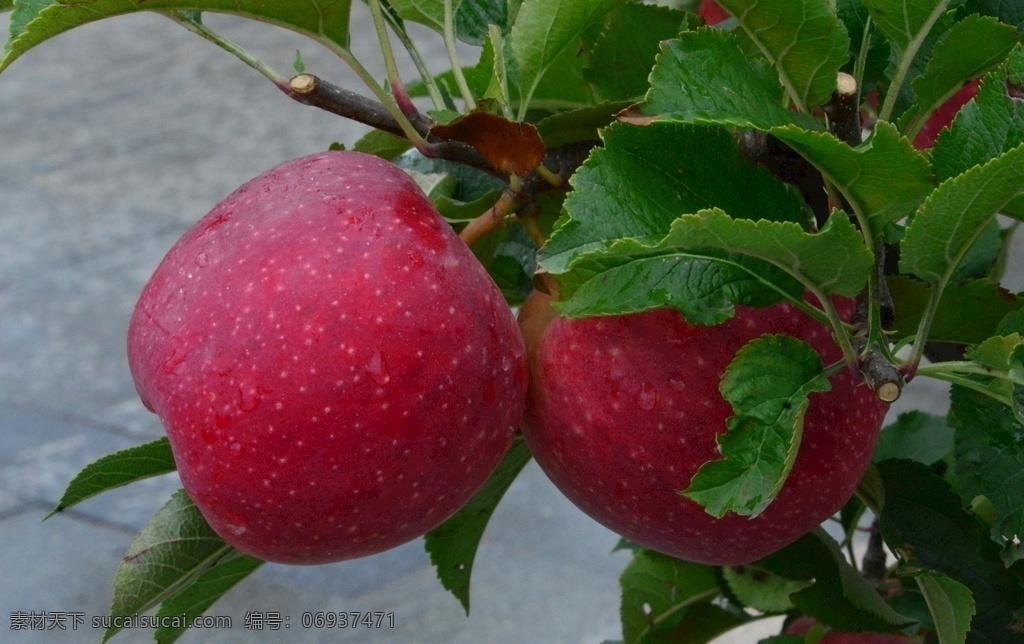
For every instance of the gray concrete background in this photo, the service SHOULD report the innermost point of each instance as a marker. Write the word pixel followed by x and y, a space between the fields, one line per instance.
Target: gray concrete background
pixel 114 138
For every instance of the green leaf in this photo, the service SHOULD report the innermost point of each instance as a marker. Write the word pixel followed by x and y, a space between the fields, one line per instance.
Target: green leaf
pixel 885 178
pixel 704 77
pixel 759 589
pixel 951 606
pixel 645 177
pixel 577 125
pixel 767 385
pixel 924 524
pixel 833 261
pixel 1008 11
pixel 544 30
pixel 916 436
pixel 471 16
pixel 956 213
pixel 968 312
pixel 989 459
pixel 382 144
pixel 452 545
pixel 703 286
pixel 986 127
pixel 168 554
pixel 6 5
pixel 971 47
pixel 803 39
pixel 38 21
pixel 838 597
pixel 116 470
pixel 905 22
pixel 667 600
pixel 624 54
pixel 193 600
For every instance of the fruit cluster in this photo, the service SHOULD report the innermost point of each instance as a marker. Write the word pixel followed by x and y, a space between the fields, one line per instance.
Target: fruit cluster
pixel 338 374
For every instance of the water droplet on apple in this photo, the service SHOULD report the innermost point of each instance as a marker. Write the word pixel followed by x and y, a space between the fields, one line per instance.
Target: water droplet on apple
pixel 677 382
pixel 235 523
pixel 236 449
pixel 202 259
pixel 647 398
pixel 377 368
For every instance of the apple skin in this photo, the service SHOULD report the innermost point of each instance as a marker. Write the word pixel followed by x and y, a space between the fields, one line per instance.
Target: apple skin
pixel 336 372
pixel 944 115
pixel 712 12
pixel 804 624
pixel 623 410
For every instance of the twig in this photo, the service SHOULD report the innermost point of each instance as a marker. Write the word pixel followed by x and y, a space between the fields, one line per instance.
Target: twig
pixel 843 111
pixel 881 375
pixel 312 90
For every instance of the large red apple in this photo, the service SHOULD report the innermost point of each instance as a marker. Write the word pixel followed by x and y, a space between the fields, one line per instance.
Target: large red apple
pixel 624 410
pixel 336 372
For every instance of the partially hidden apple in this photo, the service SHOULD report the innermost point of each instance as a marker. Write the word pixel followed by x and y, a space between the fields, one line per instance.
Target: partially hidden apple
pixel 804 624
pixel 712 12
pixel 336 372
pixel 945 114
pixel 623 410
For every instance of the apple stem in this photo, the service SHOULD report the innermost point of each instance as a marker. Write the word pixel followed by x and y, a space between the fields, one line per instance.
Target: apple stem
pixel 490 220
pixel 183 19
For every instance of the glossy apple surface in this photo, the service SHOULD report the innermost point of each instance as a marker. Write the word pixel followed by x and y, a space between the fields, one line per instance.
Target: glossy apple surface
pixel 624 410
pixel 336 372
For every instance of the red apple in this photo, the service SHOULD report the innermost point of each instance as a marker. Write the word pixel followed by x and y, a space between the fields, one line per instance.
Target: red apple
pixel 336 372
pixel 944 115
pixel 712 12
pixel 623 411
pixel 804 624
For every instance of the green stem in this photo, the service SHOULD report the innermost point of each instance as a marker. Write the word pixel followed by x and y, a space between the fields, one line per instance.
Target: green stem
pixel 906 60
pixel 388 53
pixel 417 59
pixel 924 328
pixel 208 34
pixel 453 56
pixel 838 327
pixel 862 58
pixel 957 379
pixel 965 367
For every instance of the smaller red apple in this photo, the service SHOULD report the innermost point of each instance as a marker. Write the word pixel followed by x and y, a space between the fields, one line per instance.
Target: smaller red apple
pixel 712 12
pixel 804 624
pixel 623 411
pixel 944 115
